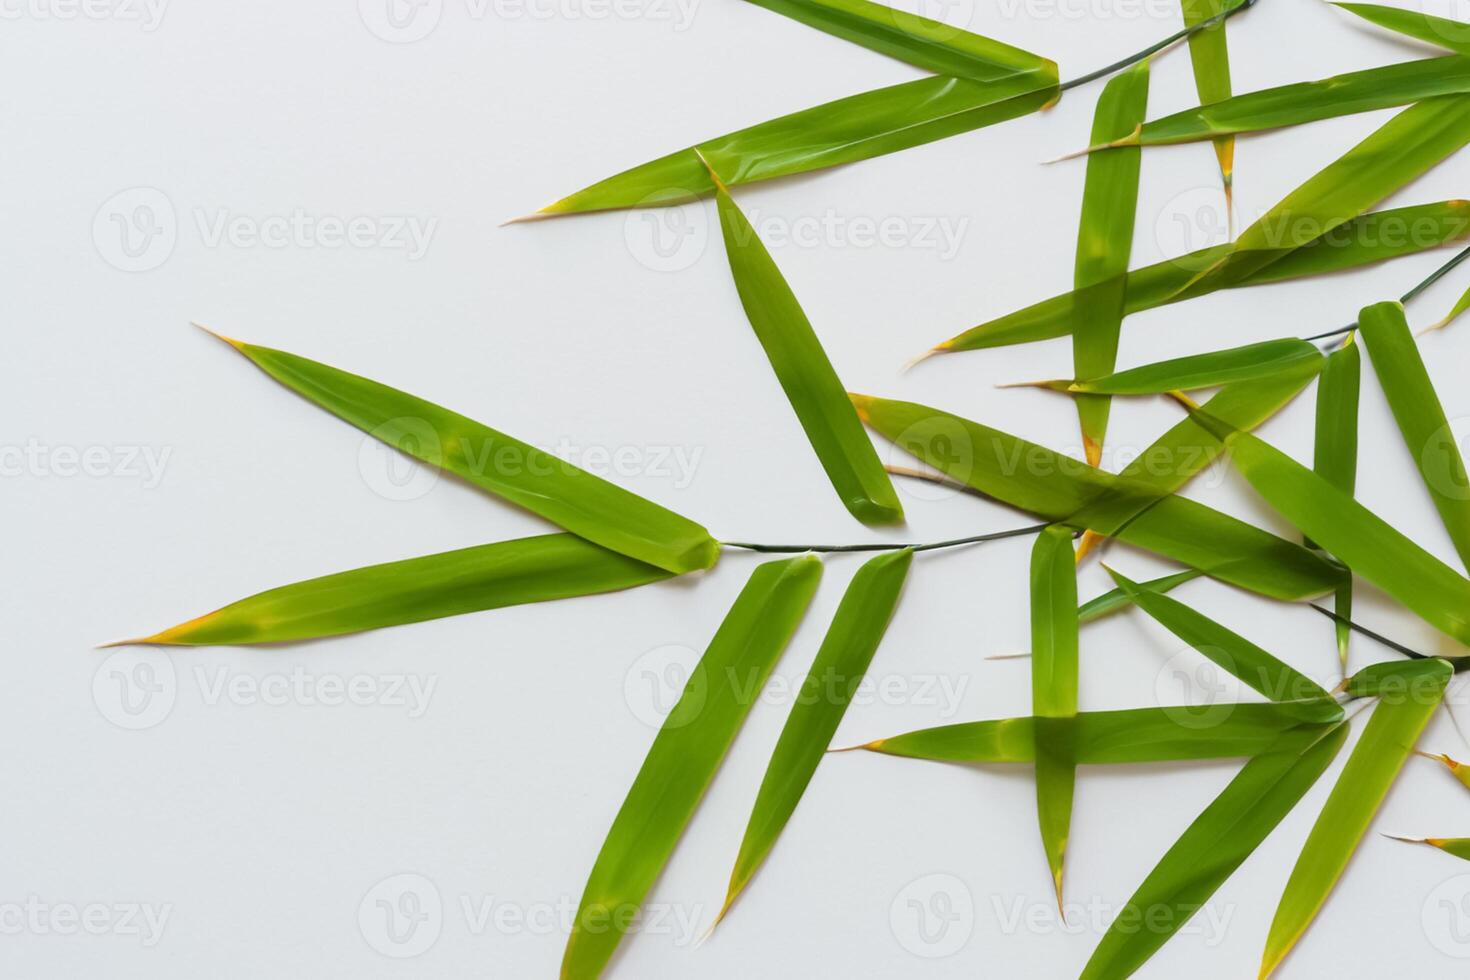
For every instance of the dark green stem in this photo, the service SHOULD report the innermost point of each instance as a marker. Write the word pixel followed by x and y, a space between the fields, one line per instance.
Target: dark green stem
pixel 1408 297
pixel 791 549
pixel 1154 49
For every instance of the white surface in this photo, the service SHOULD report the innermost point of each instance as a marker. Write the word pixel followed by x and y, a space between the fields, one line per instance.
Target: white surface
pixel 263 828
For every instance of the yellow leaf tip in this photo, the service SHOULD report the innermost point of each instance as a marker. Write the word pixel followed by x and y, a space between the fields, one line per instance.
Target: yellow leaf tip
pixel 916 361
pixel 237 344
pixel 1090 540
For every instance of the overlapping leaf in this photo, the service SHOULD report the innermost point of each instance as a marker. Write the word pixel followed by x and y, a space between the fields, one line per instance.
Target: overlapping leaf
pixel 684 757
pixel 1222 367
pixel 1370 771
pixel 842 661
pixel 805 373
pixel 1335 454
pixel 1054 642
pixel 1209 53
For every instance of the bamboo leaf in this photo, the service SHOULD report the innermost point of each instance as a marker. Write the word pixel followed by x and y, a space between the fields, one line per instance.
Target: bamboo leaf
pixel 685 755
pixel 1209 54
pixel 1248 363
pixel 569 497
pixel 1105 243
pixel 488 576
pixel 1371 238
pixel 1359 538
pixel 858 127
pixel 1459 770
pixel 1370 771
pixel 806 375
pixel 1115 599
pixel 919 41
pixel 1212 847
pixel 1458 846
pixel 848 648
pixel 1238 656
pixel 1305 102
pixel 1397 153
pixel 1060 488
pixel 1176 733
pixel 1454 314
pixel 1453 35
pixel 1335 455
pixel 1054 642
pixel 1421 418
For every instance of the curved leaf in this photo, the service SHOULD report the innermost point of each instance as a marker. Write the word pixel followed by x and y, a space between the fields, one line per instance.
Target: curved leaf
pixel 685 755
pixel 1370 771
pixel 806 375
pixel 569 497
pixel 1115 599
pixel 489 576
pixel 848 648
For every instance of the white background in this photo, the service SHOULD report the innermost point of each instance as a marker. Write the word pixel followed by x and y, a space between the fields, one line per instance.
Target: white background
pixel 264 828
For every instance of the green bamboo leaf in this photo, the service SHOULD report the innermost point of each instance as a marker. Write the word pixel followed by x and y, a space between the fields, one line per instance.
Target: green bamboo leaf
pixel 1238 656
pixel 1212 847
pixel 1452 35
pixel 1178 733
pixel 1458 846
pixel 1420 416
pixel 1397 153
pixel 806 375
pixel 848 648
pixel 1305 102
pixel 919 41
pixel 1371 238
pixel 1115 599
pixel 1355 535
pixel 1250 362
pixel 1105 243
pixel 1054 642
pixel 1454 314
pixel 1370 771
pixel 1060 488
pixel 858 127
pixel 569 497
pixel 1335 455
pixel 1209 55
pixel 488 576
pixel 682 761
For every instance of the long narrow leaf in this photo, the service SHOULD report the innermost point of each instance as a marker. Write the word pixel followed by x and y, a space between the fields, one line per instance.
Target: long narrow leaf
pixel 1054 625
pixel 1370 771
pixel 1259 669
pixel 488 576
pixel 919 41
pixel 1209 55
pixel 1374 237
pixel 1115 599
pixel 1420 417
pixel 569 497
pixel 1105 243
pixel 1248 363
pixel 853 638
pixel 1060 488
pixel 684 757
pixel 1132 735
pixel 1335 454
pixel 1359 538
pixel 1212 848
pixel 1452 35
pixel 806 375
